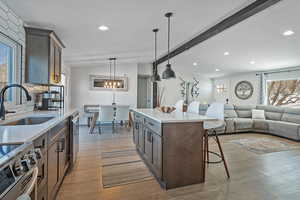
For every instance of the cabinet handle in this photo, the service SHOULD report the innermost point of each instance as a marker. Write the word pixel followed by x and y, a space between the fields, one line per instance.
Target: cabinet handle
pixel 61 145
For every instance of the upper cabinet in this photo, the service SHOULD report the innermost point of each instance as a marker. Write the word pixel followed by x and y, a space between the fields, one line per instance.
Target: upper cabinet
pixel 43 56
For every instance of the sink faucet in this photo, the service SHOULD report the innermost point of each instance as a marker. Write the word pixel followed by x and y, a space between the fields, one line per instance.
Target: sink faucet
pixel 2 95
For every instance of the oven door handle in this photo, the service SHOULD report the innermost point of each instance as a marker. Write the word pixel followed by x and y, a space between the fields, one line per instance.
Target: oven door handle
pixel 33 181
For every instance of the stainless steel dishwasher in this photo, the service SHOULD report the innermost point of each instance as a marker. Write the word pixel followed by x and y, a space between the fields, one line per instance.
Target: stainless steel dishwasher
pixel 74 138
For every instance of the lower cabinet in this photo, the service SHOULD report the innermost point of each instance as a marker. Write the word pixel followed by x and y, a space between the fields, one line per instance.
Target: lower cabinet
pixel 157 154
pixel 52 169
pixel 141 136
pixel 58 159
pixel 149 143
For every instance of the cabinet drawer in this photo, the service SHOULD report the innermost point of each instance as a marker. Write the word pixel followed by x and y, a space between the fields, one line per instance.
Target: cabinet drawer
pixel 53 133
pixel 153 125
pixel 138 117
pixel 41 143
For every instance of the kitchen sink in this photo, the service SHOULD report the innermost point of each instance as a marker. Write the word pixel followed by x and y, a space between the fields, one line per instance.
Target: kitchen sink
pixel 28 121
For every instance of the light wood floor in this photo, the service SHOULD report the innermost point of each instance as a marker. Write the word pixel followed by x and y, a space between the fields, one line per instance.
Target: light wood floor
pixel 269 176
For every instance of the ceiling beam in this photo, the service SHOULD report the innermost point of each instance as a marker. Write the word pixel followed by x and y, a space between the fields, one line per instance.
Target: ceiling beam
pixel 241 15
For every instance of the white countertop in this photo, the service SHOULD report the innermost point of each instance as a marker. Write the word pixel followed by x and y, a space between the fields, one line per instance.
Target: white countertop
pixel 27 133
pixel 173 117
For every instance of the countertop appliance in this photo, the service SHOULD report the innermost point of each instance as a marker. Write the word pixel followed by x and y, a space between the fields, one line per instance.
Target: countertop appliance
pixel 18 170
pixel 74 138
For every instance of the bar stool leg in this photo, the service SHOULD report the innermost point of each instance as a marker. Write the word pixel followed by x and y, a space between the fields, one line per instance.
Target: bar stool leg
pixel 204 153
pixel 222 154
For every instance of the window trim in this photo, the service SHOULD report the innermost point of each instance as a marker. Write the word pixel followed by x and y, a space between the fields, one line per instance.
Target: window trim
pixel 17 49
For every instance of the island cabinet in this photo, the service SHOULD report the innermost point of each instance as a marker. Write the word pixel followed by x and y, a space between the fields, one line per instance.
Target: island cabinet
pixel 43 56
pixel 171 149
pixel 58 158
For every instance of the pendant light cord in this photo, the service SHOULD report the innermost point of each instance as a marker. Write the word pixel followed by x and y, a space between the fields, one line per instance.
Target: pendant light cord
pixel 169 39
pixel 110 69
pixel 114 69
pixel 155 53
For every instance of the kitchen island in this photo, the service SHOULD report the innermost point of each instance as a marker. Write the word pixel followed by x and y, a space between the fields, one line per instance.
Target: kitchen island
pixel 171 145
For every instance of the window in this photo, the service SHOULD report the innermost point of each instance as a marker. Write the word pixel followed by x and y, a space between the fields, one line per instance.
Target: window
pixel 10 67
pixel 283 92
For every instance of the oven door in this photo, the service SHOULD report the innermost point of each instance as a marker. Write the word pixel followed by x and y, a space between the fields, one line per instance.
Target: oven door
pixel 25 188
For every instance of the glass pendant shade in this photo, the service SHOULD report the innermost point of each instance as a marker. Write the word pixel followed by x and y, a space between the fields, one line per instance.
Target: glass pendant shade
pixel 168 73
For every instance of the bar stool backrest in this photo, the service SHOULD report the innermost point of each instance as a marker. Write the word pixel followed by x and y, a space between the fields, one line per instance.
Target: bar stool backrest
pixel 122 113
pixel 216 110
pixel 194 107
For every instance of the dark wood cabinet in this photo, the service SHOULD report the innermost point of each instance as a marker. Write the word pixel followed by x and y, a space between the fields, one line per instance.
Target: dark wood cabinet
pixel 141 144
pixel 136 133
pixel 43 56
pixel 52 169
pixel 148 145
pixel 58 158
pixel 157 154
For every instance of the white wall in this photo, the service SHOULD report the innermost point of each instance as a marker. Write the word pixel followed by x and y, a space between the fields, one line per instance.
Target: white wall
pixel 172 86
pixel 230 82
pixel 81 94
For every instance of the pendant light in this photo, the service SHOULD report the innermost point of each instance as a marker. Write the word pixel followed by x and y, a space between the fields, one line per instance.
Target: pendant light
pixel 112 82
pixel 168 73
pixel 155 77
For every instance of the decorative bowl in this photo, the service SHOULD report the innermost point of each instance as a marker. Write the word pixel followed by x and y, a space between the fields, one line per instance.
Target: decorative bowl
pixel 166 109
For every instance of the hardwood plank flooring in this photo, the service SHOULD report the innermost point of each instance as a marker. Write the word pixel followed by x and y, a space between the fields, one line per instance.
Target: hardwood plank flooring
pixel 272 176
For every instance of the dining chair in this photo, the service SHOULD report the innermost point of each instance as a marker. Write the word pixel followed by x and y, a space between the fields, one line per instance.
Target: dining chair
pixel 93 122
pixel 106 115
pixel 179 105
pixel 122 114
pixel 193 107
pixel 216 111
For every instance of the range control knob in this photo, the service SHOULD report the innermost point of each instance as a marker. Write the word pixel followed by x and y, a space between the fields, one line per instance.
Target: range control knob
pixel 18 168
pixel 32 159
pixel 38 154
pixel 25 164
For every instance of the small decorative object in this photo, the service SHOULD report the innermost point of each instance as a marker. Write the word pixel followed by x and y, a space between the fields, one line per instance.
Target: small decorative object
pixel 195 89
pixel 166 109
pixel 221 88
pixel 243 90
pixel 227 101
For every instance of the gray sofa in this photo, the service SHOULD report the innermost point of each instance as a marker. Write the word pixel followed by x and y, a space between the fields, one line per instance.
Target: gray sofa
pixel 284 122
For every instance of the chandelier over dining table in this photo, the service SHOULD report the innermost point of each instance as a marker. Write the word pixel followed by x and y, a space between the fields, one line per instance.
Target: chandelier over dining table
pixel 112 82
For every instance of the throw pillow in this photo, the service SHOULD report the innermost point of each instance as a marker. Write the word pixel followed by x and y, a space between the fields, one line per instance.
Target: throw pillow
pixel 258 114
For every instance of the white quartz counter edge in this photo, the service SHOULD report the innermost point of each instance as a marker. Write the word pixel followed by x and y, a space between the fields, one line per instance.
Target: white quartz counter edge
pixel 174 117
pixel 28 133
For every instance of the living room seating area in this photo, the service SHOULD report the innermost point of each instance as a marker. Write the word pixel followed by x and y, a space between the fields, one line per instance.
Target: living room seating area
pixel 279 121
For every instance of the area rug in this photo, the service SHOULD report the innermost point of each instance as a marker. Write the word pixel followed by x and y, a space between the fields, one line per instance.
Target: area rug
pixel 122 168
pixel 264 145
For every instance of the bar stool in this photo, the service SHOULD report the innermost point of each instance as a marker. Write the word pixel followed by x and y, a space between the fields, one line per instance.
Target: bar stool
pixel 215 110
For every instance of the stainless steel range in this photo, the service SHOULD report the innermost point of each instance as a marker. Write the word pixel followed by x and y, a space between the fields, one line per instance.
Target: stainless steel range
pixel 18 170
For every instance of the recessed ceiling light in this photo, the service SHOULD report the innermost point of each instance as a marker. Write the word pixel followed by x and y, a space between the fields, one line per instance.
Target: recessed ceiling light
pixel 288 33
pixel 217 70
pixel 252 62
pixel 103 28
pixel 195 64
pixel 226 53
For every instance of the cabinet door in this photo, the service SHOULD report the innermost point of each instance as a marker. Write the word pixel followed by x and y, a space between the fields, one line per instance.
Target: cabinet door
pixel 141 139
pixel 52 61
pixel 136 133
pixel 62 156
pixel 157 154
pixel 37 63
pixel 57 64
pixel 148 145
pixel 52 169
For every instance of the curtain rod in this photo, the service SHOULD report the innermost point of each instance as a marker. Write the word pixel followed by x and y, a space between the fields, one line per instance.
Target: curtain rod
pixel 278 71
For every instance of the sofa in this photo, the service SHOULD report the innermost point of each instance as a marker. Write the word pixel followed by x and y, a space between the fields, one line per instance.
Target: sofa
pixel 280 121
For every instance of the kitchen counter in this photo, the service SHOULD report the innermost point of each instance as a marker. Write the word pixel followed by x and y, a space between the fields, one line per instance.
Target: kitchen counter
pixel 174 117
pixel 27 133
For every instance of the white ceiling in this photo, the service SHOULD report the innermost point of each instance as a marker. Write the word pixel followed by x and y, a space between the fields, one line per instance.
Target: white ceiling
pixel 130 21
pixel 130 37
pixel 258 39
